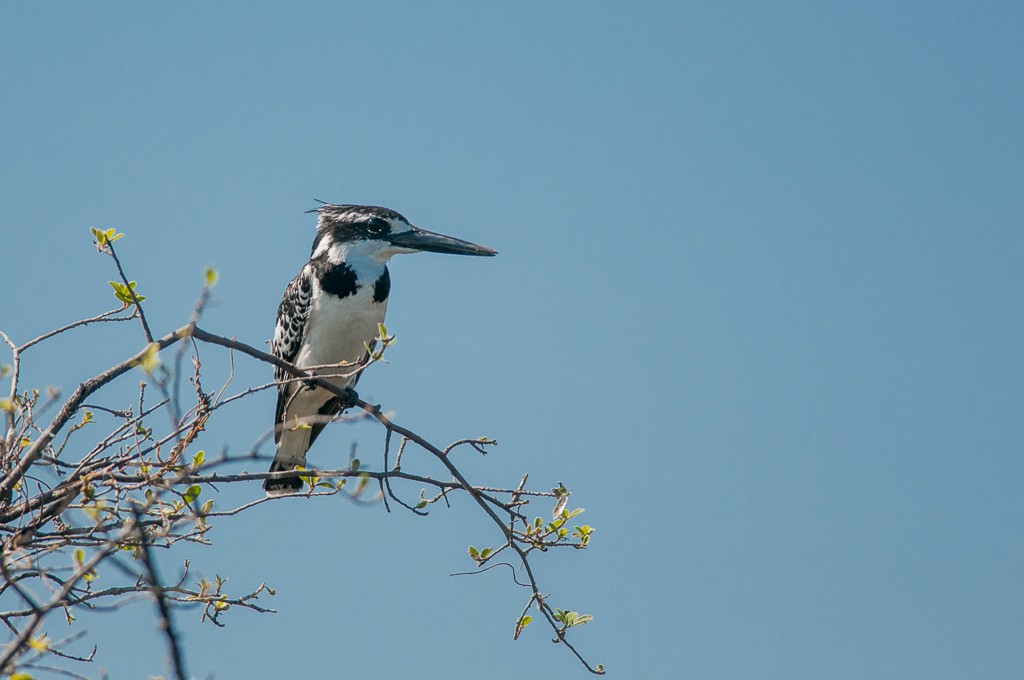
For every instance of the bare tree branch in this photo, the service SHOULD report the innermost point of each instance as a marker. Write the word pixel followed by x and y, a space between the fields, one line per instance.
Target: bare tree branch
pixel 141 487
pixel 166 622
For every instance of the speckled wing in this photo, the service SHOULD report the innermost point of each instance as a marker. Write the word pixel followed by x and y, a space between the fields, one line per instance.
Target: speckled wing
pixel 292 315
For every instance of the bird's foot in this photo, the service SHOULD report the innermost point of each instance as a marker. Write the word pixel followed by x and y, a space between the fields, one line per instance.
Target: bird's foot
pixel 351 397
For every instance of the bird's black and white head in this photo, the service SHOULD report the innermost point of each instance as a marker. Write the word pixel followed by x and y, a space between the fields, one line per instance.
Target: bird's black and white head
pixel 346 232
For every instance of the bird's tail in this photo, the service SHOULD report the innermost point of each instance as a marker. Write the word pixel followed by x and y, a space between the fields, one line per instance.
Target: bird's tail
pixel 291 453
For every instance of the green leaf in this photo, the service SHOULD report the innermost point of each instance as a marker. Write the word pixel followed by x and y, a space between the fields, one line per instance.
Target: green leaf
pixel 198 458
pixel 474 553
pixel 105 236
pixel 124 293
pixel 355 465
pixel 210 277
pixel 40 644
pixel 207 507
pixel 121 292
pixel 569 619
pixel 21 676
pixel 150 360
pixel 79 557
pixel 520 624
pixel 191 493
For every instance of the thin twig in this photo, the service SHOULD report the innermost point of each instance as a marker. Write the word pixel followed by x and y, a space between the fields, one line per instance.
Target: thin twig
pixel 105 316
pixel 166 623
pixel 131 291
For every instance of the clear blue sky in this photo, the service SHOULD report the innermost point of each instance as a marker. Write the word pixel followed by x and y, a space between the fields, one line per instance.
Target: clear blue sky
pixel 758 303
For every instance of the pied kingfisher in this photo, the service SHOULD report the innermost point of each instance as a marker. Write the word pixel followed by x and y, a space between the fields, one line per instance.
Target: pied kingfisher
pixel 329 316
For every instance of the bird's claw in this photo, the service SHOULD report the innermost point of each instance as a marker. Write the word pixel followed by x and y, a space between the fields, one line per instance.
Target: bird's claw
pixel 351 397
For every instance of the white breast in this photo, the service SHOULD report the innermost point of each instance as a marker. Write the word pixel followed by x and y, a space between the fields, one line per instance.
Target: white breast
pixel 339 329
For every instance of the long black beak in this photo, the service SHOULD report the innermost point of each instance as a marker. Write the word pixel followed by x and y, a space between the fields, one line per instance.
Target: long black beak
pixel 421 239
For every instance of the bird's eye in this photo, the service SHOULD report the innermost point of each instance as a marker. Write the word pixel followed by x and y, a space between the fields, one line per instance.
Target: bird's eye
pixel 376 227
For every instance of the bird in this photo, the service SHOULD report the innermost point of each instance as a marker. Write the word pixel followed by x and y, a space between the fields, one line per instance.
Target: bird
pixel 329 319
